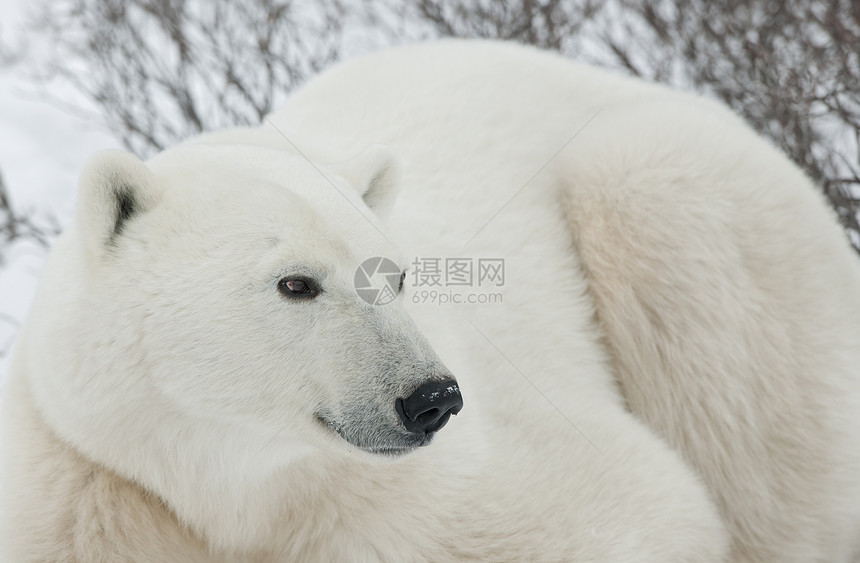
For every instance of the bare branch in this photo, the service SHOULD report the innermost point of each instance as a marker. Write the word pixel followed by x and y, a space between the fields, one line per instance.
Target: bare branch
pixel 17 226
pixel 163 70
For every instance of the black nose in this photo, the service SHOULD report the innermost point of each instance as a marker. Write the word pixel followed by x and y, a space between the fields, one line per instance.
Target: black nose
pixel 430 406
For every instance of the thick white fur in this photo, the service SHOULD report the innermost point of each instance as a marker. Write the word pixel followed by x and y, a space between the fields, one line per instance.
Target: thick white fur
pixel 671 375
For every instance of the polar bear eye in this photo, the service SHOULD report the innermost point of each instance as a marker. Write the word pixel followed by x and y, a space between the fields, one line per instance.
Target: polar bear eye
pixel 297 288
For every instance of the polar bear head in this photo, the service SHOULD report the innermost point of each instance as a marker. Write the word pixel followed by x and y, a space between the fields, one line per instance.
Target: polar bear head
pixel 210 293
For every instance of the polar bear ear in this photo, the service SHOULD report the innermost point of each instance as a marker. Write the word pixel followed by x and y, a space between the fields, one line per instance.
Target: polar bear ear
pixel 374 173
pixel 114 187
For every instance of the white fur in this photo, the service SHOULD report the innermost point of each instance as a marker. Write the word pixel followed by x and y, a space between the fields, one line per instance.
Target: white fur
pixel 671 375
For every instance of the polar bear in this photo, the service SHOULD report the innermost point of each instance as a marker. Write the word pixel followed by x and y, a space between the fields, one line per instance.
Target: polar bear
pixel 669 373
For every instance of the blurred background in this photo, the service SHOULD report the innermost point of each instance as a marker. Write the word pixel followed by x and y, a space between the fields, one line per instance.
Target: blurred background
pixel 77 76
